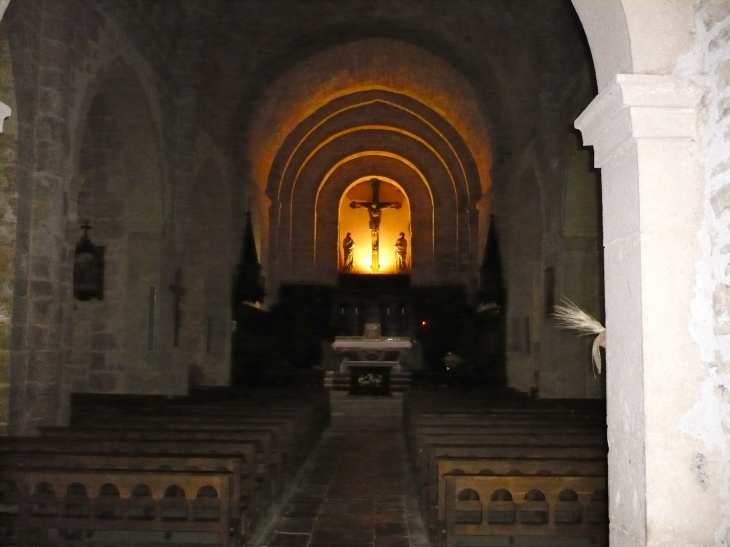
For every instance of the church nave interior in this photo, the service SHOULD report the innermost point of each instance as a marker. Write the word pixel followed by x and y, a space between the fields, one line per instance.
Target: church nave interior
pixel 285 273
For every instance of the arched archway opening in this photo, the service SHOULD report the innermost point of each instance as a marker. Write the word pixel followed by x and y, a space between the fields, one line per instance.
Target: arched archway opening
pixel 114 342
pixel 385 119
pixel 390 218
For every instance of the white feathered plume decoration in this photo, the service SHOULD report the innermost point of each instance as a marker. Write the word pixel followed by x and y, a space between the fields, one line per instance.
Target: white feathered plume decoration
pixel 4 316
pixel 570 316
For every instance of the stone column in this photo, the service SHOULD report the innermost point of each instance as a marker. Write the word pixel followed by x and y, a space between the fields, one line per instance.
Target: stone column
pixel 664 475
pixel 38 394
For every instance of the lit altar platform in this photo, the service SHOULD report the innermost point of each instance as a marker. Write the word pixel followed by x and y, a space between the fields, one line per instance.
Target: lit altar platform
pixel 383 352
pixel 369 361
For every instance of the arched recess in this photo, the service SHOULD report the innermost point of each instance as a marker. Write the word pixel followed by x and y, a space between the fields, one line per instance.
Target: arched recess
pixel 207 304
pixel 394 218
pixel 343 128
pixel 452 243
pixel 8 213
pixel 369 164
pixel 355 109
pixel 113 344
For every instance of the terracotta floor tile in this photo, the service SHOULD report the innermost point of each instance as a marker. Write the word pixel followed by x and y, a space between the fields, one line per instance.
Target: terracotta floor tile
pixel 391 499
pixel 313 491
pixel 360 521
pixel 391 529
pixel 301 510
pixel 341 545
pixel 343 536
pixel 304 499
pixel 390 516
pixel 350 492
pixel 392 541
pixel 355 492
pixel 289 540
pixel 345 505
pixel 294 525
pixel 389 506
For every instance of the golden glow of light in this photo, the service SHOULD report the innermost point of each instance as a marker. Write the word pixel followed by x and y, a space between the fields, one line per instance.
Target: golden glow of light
pixel 356 222
pixel 361 104
pixel 386 154
pixel 403 132
pixel 373 63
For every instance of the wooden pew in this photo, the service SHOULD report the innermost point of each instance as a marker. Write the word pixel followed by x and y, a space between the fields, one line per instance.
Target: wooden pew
pixel 121 507
pixel 287 437
pixel 281 451
pixel 505 427
pixel 256 478
pixel 505 466
pixel 425 456
pixel 296 427
pixel 262 437
pixel 242 506
pixel 480 507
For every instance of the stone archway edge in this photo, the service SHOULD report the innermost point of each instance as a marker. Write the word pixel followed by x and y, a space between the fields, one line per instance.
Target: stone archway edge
pixel 644 130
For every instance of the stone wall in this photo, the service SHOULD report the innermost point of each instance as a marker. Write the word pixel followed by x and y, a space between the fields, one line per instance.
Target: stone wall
pixel 105 135
pixel 548 206
pixel 707 422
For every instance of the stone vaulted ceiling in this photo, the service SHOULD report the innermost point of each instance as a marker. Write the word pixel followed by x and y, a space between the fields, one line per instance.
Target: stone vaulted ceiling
pixel 310 96
pixel 375 107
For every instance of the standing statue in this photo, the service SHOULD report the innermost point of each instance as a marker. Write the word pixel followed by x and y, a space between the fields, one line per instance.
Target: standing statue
pixel 375 210
pixel 348 252
pixel 401 252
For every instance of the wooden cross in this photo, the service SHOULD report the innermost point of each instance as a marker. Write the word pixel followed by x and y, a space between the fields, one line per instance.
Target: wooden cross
pixel 375 209
pixel 86 227
pixel 178 292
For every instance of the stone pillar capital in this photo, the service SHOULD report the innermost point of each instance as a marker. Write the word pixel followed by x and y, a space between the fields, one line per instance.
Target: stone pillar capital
pixel 639 106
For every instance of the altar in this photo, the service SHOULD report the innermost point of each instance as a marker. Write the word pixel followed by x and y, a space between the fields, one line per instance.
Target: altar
pixel 373 350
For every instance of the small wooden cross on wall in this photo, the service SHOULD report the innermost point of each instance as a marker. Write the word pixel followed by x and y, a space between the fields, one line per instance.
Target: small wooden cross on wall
pixel 86 227
pixel 178 292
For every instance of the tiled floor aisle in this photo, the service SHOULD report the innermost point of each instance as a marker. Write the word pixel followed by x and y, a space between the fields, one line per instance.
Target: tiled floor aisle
pixel 355 488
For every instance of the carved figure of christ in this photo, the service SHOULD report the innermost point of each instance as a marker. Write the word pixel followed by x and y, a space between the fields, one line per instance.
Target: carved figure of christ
pixel 375 210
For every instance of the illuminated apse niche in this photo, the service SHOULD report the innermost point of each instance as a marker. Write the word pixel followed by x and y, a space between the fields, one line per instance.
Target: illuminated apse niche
pixel 394 220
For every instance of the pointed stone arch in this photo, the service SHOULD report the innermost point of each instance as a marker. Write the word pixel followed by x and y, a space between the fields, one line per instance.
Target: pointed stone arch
pixel 114 344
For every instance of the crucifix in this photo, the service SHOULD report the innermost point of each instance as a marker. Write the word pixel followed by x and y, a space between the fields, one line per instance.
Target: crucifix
pixel 375 209
pixel 178 292
pixel 86 227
